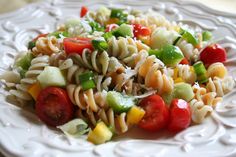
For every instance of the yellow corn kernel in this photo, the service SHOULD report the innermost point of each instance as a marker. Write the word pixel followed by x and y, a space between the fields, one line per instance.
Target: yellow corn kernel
pixel 34 90
pixel 100 134
pixel 112 20
pixel 134 115
pixel 179 79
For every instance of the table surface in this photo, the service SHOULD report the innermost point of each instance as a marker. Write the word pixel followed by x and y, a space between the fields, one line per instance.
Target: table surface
pixel 222 5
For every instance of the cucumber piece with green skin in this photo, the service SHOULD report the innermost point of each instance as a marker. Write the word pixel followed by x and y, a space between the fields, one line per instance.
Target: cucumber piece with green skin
pixel 119 102
pixel 189 37
pixel 124 30
pixel 183 91
pixel 51 76
pixel 171 55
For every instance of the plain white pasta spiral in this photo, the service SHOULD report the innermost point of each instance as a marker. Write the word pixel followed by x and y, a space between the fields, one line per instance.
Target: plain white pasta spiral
pixel 124 48
pixel 188 50
pixel 199 110
pixel 46 46
pixel 92 60
pixel 186 73
pixel 220 86
pixel 37 66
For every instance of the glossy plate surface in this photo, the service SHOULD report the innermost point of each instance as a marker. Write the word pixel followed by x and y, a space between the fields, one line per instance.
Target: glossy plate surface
pixel 21 134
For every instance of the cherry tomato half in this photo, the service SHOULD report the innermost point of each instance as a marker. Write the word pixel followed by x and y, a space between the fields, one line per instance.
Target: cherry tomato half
pixel 54 107
pixel 212 54
pixel 77 45
pixel 180 115
pixel 184 61
pixel 140 30
pixel 83 11
pixel 156 113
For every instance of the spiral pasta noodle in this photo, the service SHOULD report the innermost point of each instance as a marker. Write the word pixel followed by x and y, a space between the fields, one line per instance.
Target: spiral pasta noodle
pixel 220 86
pixel 216 70
pixel 46 46
pixel 37 66
pixel 95 61
pixel 186 73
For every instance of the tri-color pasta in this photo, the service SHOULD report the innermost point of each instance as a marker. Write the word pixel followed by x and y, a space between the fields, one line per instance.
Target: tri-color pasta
pixel 109 68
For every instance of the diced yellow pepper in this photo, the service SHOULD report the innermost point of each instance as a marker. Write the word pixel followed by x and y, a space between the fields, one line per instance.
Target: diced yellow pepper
pixel 176 71
pixel 112 20
pixel 34 90
pixel 179 79
pixel 100 134
pixel 134 115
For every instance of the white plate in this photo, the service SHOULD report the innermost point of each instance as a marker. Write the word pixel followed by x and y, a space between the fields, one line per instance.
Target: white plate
pixel 21 134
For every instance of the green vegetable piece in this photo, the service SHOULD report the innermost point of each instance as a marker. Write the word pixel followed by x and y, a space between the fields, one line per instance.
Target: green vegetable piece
pixel 59 34
pixel 96 26
pixel 119 102
pixel 72 23
pixel 86 76
pixel 155 52
pixel 119 13
pixel 31 44
pixel 183 91
pixel 107 35
pixel 100 45
pixel 124 30
pixel 88 85
pixel 24 62
pixel 171 55
pixel 206 36
pixel 51 76
pixel 189 37
pixel 200 71
pixel 74 128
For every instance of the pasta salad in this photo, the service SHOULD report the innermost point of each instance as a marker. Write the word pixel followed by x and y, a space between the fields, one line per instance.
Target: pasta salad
pixel 112 69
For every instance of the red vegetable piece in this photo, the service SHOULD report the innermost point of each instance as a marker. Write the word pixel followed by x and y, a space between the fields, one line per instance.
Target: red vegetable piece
pixel 212 54
pixel 140 30
pixel 77 45
pixel 54 107
pixel 184 61
pixel 156 113
pixel 83 11
pixel 180 115
pixel 111 27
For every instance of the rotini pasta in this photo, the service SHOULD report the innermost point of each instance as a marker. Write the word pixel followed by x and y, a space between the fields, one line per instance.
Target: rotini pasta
pixel 216 70
pixel 46 46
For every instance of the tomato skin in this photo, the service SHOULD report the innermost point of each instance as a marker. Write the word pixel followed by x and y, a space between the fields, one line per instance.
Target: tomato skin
pixel 83 11
pixel 140 30
pixel 110 27
pixel 54 107
pixel 212 54
pixel 180 115
pixel 77 45
pixel 184 61
pixel 156 113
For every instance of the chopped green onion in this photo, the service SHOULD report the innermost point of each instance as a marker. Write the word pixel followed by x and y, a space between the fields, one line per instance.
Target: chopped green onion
pixel 176 40
pixel 31 44
pixel 201 72
pixel 86 80
pixel 88 84
pixel 123 30
pixel 96 26
pixel 155 52
pixel 189 37
pixel 100 45
pixel 86 76
pixel 206 36
pixel 74 128
pixel 107 35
